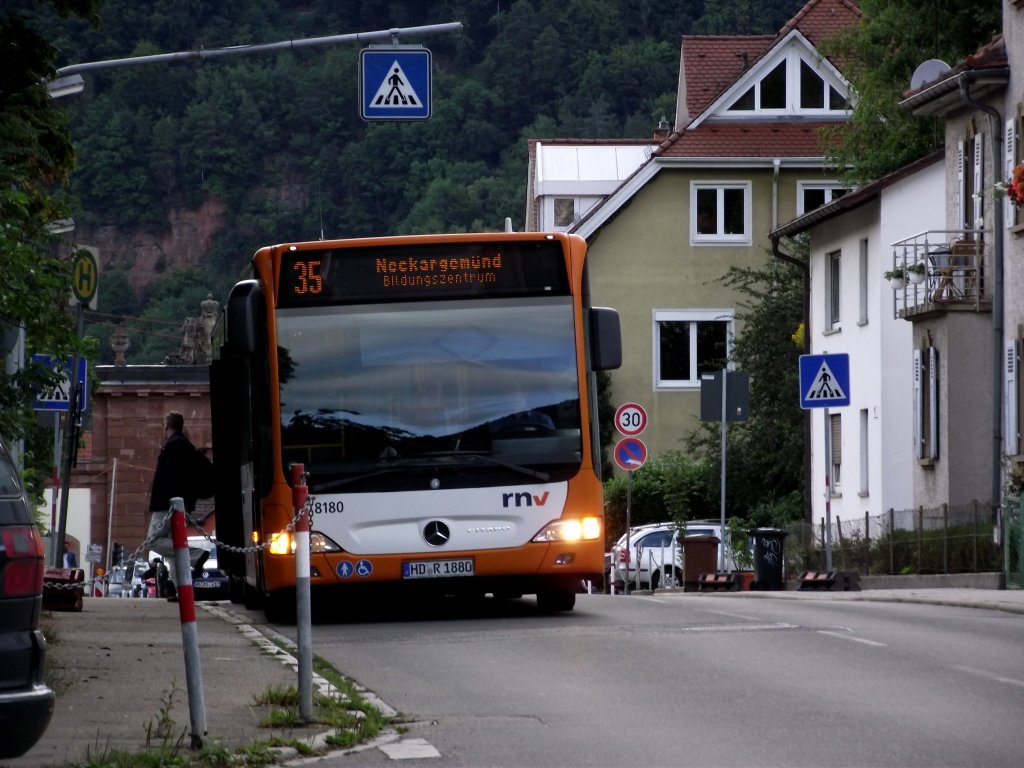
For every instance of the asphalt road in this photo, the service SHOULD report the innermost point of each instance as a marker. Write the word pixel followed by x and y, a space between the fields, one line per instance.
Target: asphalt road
pixel 692 680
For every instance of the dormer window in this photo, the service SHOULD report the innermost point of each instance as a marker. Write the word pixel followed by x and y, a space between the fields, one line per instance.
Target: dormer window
pixel 793 86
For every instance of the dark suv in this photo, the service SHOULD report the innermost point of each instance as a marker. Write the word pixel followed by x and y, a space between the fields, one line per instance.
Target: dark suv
pixel 26 703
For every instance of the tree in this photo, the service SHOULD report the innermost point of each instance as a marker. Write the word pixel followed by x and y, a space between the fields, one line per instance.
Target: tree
pixel 765 474
pixel 878 56
pixel 36 159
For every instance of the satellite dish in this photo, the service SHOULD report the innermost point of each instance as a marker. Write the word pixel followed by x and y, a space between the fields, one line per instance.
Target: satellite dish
pixel 928 72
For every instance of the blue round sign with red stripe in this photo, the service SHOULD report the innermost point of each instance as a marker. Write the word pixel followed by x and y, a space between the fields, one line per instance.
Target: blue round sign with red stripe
pixel 630 453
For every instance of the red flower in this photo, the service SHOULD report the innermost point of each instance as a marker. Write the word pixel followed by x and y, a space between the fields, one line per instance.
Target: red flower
pixel 1015 186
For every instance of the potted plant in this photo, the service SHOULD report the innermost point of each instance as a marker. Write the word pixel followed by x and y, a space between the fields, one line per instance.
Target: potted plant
pixel 740 550
pixel 896 277
pixel 916 273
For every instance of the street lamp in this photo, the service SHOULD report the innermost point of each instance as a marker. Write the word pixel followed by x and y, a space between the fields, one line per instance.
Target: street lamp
pixel 65 86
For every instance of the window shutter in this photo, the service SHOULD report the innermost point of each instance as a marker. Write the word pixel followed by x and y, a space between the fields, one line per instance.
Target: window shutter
pixel 961 211
pixel 1011 377
pixel 836 431
pixel 933 403
pixel 918 405
pixel 1009 210
pixel 978 190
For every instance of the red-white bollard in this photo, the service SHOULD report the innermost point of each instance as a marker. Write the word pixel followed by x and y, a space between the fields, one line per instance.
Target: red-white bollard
pixel 303 605
pixel 189 631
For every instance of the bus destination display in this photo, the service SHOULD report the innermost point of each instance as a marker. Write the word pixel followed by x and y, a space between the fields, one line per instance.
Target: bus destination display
pixel 442 271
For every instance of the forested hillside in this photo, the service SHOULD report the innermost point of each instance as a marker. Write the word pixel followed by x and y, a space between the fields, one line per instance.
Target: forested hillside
pixel 185 169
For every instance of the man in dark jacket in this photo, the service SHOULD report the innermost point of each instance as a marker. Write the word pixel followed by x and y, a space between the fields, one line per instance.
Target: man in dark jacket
pixel 173 477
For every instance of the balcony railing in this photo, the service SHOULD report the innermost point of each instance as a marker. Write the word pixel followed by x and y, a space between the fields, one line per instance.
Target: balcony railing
pixel 944 271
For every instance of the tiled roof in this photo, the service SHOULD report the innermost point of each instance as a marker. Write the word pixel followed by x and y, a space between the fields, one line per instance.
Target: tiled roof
pixel 819 19
pixel 712 64
pixel 990 56
pixel 748 139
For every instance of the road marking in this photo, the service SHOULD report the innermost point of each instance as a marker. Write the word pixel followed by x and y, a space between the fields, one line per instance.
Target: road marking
pixel 850 637
pixel 991 676
pixel 734 615
pixel 409 749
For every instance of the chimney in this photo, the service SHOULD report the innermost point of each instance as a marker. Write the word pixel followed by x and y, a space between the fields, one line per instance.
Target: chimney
pixel 661 132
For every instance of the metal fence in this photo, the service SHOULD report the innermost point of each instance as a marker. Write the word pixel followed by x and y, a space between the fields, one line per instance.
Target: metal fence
pixel 939 540
pixel 1013 536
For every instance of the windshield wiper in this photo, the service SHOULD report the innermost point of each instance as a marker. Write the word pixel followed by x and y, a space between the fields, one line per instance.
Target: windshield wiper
pixel 490 459
pixel 428 460
pixel 354 479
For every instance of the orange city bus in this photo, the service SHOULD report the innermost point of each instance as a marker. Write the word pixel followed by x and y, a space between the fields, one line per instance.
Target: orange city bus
pixel 439 391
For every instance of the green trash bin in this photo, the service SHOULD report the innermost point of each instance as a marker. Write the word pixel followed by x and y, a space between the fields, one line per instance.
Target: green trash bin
pixel 768 558
pixel 700 555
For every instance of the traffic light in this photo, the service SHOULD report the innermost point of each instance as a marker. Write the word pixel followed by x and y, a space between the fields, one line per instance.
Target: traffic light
pixel 117 555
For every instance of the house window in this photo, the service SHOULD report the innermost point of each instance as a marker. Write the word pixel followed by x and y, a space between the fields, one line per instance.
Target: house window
pixel 862 269
pixel 864 421
pixel 814 194
pixel 836 449
pixel 565 212
pixel 832 290
pixel 720 212
pixel 688 343
pixel 970 198
pixel 926 403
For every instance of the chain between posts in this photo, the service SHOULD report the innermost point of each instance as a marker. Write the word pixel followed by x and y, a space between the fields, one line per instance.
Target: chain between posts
pixel 307 509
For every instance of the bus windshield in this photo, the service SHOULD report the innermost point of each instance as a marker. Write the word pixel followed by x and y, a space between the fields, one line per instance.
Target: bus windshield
pixel 375 395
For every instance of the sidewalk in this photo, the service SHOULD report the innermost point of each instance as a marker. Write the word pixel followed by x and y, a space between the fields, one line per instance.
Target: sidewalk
pixel 115 663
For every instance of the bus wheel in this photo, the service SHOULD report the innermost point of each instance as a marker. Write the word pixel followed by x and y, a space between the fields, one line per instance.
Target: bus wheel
pixel 279 606
pixel 251 597
pixel 555 601
pixel 236 590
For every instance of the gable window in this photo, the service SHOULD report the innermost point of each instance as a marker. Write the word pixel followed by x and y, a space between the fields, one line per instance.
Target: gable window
pixel 794 85
pixel 814 194
pixel 720 212
pixel 688 343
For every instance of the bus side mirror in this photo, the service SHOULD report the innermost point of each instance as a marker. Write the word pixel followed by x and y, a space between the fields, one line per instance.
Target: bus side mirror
pixel 605 339
pixel 242 317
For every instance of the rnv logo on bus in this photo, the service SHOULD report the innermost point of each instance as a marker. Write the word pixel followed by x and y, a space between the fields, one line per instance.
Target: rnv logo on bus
pixel 523 499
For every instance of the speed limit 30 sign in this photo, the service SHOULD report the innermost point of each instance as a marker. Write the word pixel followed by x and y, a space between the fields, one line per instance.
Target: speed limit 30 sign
pixel 630 419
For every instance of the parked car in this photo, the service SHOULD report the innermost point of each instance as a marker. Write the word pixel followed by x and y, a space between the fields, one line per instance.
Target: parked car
pixel 657 549
pixel 26 703
pixel 208 581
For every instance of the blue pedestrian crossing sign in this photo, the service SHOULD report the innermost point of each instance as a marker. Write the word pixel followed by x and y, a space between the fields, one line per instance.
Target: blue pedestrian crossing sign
pixel 394 83
pixel 824 381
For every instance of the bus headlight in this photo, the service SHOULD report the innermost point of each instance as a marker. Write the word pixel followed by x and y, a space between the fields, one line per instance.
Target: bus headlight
pixel 283 543
pixel 319 543
pixel 583 529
